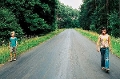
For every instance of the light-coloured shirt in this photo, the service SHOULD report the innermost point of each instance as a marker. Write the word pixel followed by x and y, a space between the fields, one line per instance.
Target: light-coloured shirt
pixel 104 41
pixel 13 41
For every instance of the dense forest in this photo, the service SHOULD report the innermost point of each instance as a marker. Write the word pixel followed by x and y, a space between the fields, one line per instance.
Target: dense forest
pixel 35 17
pixel 28 17
pixel 95 14
pixel 67 17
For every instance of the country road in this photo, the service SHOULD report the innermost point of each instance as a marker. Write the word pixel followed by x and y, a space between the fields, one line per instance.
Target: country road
pixel 68 55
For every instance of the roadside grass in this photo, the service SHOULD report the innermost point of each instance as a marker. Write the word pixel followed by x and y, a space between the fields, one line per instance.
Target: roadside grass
pixel 94 36
pixel 26 44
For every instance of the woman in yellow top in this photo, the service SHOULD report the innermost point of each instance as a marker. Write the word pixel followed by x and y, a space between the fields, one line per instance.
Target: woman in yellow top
pixel 103 45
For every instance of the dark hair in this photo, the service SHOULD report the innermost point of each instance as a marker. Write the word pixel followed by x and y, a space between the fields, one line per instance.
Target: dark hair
pixel 104 28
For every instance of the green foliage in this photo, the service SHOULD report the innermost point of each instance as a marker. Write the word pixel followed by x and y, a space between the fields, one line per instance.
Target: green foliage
pixel 92 27
pixel 67 16
pixel 114 24
pixel 96 13
pixel 8 23
pixel 31 17
pixel 35 22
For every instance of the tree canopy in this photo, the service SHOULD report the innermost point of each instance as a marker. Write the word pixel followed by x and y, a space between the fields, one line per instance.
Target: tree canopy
pixel 30 17
pixel 95 14
pixel 67 17
pixel 35 17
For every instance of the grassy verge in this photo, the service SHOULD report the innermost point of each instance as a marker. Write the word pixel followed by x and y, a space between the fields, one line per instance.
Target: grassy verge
pixel 25 45
pixel 94 36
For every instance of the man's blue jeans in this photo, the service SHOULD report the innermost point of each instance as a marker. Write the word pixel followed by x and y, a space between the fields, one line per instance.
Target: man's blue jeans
pixel 104 57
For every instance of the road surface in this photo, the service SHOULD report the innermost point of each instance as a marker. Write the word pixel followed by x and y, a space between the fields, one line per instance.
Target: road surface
pixel 68 55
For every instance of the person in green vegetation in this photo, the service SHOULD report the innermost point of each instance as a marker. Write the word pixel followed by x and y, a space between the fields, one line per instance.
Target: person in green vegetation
pixel 103 46
pixel 13 46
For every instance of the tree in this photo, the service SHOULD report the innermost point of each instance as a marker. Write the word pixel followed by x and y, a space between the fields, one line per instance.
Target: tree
pixel 43 14
pixel 8 23
pixel 67 16
pixel 31 17
pixel 96 13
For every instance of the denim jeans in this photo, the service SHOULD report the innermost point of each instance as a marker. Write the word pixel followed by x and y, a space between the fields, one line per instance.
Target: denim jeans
pixel 104 57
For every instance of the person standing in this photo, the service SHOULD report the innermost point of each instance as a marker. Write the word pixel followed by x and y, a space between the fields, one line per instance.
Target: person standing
pixel 13 46
pixel 103 46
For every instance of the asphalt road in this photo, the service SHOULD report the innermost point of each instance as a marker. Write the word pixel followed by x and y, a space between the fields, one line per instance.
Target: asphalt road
pixel 68 55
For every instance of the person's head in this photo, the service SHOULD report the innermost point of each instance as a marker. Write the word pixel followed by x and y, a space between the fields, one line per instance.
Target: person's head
pixel 103 30
pixel 13 33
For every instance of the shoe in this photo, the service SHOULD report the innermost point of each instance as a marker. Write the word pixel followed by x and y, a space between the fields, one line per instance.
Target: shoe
pixel 108 69
pixel 14 59
pixel 10 60
pixel 103 68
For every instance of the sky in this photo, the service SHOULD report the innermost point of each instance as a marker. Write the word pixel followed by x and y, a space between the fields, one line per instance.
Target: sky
pixel 73 3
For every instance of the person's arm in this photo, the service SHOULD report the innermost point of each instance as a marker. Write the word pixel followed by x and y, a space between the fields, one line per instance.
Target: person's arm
pixel 9 43
pixel 109 42
pixel 16 43
pixel 98 44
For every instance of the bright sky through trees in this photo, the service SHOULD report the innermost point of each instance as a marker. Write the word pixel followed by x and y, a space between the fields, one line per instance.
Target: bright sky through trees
pixel 73 3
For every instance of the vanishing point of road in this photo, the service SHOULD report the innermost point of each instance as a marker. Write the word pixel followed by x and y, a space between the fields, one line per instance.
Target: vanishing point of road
pixel 68 55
